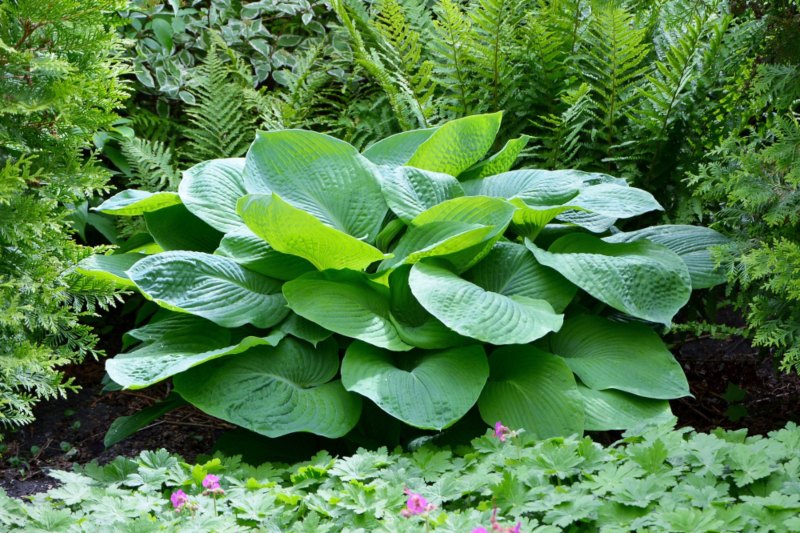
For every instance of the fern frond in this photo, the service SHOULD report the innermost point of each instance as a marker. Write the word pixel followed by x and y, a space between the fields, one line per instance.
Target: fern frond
pixel 567 133
pixel 614 59
pixel 221 123
pixel 451 48
pixel 151 164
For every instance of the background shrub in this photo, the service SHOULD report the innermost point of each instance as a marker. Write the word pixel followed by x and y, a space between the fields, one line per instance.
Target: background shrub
pixel 60 85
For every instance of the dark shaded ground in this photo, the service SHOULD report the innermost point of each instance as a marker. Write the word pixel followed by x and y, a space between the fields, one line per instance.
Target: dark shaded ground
pixel 734 387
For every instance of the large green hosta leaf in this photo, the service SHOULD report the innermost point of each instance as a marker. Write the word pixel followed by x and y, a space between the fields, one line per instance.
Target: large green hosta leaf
pixel 457 145
pixel 176 346
pixel 396 150
pixel 251 251
pixel 132 202
pixel 614 410
pixel 210 286
pixel 429 390
pixel 502 161
pixel 275 391
pixel 692 243
pixel 511 270
pixel 409 191
pixel 461 230
pixel 414 324
pixel 320 175
pixel 642 279
pixel 176 228
pixel 293 231
pixel 211 189
pixel 534 390
pixel 627 357
pixel 348 303
pixel 110 268
pixel 474 312
pixel 592 201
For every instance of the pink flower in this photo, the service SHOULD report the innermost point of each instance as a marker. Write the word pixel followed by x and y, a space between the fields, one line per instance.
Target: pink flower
pixel 515 529
pixel 211 482
pixel 416 504
pixel 480 529
pixel 500 431
pixel 179 499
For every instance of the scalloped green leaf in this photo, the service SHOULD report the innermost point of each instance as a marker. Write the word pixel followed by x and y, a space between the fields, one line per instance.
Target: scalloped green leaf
pixel 532 390
pixel 210 286
pixel 177 347
pixel 429 390
pixel 109 268
pixel 500 162
pixel 348 303
pixel 409 191
pixel 510 269
pixel 211 189
pixel 253 253
pixel 293 231
pixel 397 149
pixel 474 312
pixel 596 349
pixel 692 243
pixel 643 279
pixel 609 410
pixel 275 391
pixel 133 202
pixel 457 145
pixel 321 175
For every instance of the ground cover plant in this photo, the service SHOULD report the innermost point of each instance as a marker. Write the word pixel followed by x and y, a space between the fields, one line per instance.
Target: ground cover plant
pixel 656 479
pixel 307 279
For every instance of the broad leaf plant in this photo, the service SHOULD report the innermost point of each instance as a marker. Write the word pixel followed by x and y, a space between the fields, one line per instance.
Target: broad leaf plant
pixel 306 279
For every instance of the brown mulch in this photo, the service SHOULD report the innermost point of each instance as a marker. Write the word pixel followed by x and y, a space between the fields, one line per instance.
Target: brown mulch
pixel 71 430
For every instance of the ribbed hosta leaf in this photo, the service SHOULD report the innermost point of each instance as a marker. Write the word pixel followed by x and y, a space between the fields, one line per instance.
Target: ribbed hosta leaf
pixel 538 187
pixel 176 347
pixel 300 328
pixel 461 230
pixel 692 243
pixel 275 391
pixel 132 202
pixel 533 390
pixel 110 268
pixel 253 252
pixel 320 175
pixel 348 303
pixel 414 324
pixel 474 312
pixel 500 162
pixel 511 270
pixel 176 228
pixel 410 191
pixel 210 286
pixel 396 150
pixel 211 189
pixel 643 279
pixel 614 410
pixel 457 145
pixel 293 231
pixel 596 349
pixel 429 390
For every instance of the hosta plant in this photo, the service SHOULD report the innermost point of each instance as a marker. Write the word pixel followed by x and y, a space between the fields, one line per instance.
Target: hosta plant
pixel 307 279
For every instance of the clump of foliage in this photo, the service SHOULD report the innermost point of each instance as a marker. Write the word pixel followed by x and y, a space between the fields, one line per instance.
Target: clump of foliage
pixel 59 86
pixel 751 186
pixel 656 480
pixel 307 279
pixel 637 88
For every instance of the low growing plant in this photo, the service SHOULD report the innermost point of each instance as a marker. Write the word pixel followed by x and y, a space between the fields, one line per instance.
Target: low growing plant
pixel 654 480
pixel 307 279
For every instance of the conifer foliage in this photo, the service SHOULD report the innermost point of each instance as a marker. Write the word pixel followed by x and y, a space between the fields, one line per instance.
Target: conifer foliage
pixel 59 84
